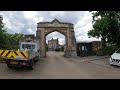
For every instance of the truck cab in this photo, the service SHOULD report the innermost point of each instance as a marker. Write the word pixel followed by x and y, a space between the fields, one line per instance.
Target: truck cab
pixel 24 46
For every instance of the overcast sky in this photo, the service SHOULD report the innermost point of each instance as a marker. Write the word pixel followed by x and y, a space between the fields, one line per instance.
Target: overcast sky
pixel 26 22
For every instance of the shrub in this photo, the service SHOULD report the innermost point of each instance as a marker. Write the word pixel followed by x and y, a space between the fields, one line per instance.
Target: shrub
pixel 57 49
pixel 108 50
pixel 62 48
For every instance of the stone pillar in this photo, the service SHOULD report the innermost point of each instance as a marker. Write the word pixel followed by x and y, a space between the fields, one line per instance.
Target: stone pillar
pixel 38 36
pixel 73 43
pixel 68 45
pixel 42 43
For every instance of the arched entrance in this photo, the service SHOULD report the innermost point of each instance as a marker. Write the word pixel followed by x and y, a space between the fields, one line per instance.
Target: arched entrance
pixel 55 41
pixel 45 28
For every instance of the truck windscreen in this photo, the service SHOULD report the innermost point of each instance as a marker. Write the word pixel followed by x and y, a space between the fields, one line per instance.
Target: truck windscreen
pixel 28 46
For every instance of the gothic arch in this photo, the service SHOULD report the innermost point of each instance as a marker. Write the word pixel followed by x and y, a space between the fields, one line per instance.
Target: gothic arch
pixel 45 28
pixel 63 33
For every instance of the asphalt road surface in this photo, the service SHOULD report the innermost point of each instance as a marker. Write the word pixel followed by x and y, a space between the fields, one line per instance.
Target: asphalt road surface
pixel 55 66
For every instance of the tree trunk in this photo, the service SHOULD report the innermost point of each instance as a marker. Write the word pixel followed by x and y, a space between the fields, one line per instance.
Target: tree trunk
pixel 103 40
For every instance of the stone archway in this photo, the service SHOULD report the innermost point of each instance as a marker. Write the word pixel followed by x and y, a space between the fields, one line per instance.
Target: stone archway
pixel 67 29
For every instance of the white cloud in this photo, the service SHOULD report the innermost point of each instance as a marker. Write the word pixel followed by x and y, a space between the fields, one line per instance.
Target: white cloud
pixel 33 16
pixel 56 13
pixel 26 22
pixel 30 31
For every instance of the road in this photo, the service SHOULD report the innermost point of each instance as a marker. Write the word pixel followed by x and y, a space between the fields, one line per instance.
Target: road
pixel 55 66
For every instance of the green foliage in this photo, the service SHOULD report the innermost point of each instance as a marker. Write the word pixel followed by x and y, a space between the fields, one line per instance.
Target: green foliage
pixel 107 26
pixel 2 33
pixel 8 41
pixel 13 40
pixel 108 50
pixel 62 48
pixel 57 49
pixel 100 28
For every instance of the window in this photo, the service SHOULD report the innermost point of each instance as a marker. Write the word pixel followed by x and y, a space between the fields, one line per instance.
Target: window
pixel 33 46
pixel 85 48
pixel 82 48
pixel 28 46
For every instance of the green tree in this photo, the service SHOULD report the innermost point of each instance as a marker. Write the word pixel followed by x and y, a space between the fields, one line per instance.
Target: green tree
pixel 7 40
pixel 13 40
pixel 100 29
pixel 2 33
pixel 106 27
pixel 62 48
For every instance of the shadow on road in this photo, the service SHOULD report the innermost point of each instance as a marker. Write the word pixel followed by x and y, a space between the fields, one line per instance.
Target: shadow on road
pixel 24 68
pixel 115 66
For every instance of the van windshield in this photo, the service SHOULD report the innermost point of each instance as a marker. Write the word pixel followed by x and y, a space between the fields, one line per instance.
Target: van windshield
pixel 118 51
pixel 28 46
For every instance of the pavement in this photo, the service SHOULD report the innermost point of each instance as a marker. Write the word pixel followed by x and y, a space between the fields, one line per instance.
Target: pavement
pixel 89 58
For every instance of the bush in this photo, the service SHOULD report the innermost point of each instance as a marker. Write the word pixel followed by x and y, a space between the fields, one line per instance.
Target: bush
pixel 108 50
pixel 57 49
pixel 12 47
pixel 62 48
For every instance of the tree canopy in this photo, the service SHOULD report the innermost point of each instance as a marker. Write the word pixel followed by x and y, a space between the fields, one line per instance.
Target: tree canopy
pixel 7 40
pixel 106 25
pixel 2 33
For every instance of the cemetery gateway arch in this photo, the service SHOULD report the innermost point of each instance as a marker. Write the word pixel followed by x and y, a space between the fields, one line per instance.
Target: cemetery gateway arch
pixel 67 29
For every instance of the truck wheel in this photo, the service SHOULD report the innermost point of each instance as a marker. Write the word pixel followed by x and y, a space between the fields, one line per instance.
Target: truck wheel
pixel 38 58
pixel 30 68
pixel 9 66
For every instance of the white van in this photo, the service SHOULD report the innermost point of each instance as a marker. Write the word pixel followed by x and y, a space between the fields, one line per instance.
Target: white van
pixel 115 58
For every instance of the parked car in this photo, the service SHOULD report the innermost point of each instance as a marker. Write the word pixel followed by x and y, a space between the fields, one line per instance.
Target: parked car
pixel 115 58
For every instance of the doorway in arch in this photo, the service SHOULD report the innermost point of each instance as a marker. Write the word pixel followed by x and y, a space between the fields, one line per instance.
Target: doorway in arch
pixel 55 41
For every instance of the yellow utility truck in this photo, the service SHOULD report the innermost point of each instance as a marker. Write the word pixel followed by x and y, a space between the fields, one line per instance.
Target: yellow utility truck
pixel 26 55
